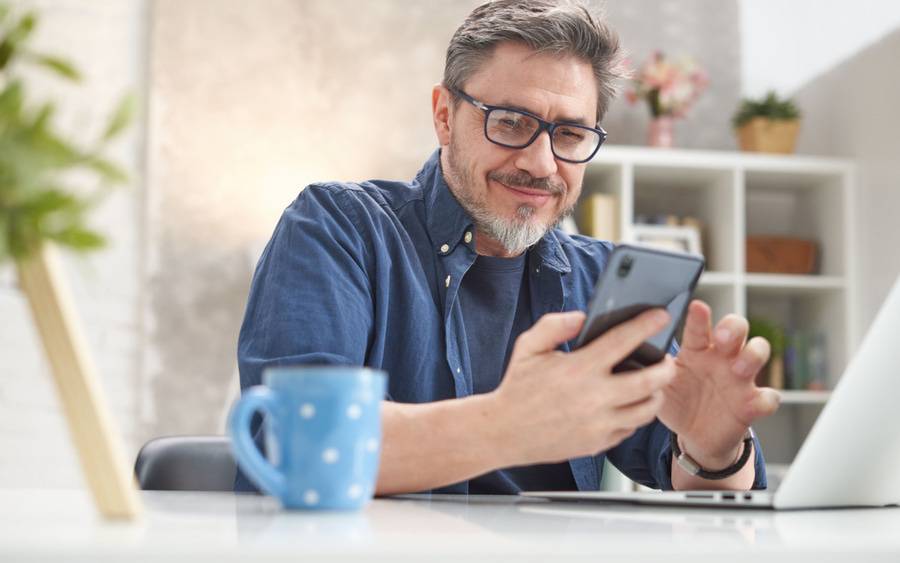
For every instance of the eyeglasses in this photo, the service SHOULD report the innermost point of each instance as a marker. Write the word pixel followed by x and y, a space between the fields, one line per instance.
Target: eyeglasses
pixel 516 129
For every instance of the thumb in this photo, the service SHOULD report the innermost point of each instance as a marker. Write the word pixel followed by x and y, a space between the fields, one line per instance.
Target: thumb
pixel 550 331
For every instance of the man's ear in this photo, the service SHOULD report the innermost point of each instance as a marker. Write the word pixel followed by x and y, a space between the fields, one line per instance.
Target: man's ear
pixel 440 109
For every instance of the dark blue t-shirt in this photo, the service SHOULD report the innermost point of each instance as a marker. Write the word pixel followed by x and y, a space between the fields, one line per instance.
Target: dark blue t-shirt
pixel 496 309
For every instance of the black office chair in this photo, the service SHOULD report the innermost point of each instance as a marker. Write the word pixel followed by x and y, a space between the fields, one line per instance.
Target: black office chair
pixel 186 463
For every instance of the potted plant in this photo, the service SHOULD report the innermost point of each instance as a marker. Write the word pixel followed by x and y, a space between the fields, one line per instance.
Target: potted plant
pixel 670 89
pixel 39 208
pixel 770 124
pixel 772 374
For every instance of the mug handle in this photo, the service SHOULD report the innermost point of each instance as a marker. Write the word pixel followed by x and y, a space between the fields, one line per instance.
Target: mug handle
pixel 258 468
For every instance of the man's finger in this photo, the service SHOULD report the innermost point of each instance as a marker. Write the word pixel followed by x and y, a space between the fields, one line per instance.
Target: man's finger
pixel 752 358
pixel 641 413
pixel 633 387
pixel 730 334
pixel 616 344
pixel 765 403
pixel 697 327
pixel 550 331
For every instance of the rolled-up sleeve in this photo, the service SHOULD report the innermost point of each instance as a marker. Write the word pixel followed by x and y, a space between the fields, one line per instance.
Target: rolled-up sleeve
pixel 310 301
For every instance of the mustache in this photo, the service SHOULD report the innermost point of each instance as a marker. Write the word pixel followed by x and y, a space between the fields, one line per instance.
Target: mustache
pixel 526 180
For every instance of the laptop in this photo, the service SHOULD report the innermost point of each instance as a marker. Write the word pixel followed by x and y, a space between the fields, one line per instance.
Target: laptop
pixel 851 457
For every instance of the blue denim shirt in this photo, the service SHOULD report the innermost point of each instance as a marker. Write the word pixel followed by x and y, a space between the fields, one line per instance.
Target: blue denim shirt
pixel 369 274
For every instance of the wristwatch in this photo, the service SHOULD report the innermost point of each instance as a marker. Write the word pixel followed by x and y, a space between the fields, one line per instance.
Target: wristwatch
pixel 688 464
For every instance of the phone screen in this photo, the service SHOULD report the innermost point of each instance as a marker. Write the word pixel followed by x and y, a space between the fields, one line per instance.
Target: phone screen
pixel 637 279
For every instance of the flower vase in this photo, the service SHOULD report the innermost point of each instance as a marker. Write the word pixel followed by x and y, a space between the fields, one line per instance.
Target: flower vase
pixel 661 133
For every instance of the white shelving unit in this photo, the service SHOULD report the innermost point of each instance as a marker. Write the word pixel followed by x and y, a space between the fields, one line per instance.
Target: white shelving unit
pixel 740 194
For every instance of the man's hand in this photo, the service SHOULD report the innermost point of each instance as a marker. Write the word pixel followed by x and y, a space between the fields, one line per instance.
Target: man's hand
pixel 552 406
pixel 713 398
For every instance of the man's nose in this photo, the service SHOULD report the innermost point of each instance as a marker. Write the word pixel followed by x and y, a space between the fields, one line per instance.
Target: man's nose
pixel 537 158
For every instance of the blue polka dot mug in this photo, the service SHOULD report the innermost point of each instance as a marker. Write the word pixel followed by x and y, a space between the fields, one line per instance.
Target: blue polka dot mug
pixel 322 432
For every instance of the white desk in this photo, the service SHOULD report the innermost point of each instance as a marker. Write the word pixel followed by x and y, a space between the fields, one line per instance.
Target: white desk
pixel 63 526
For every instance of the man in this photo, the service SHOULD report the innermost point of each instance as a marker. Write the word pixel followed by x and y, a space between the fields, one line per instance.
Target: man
pixel 440 281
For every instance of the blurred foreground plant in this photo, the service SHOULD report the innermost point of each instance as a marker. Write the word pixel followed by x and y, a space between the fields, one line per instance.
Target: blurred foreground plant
pixel 36 204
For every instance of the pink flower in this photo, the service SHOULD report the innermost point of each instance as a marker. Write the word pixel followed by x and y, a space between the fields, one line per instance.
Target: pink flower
pixel 671 87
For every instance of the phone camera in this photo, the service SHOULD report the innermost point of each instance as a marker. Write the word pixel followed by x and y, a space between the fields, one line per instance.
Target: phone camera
pixel 625 266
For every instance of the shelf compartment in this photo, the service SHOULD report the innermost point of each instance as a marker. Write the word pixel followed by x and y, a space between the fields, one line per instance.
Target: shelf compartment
pixel 608 179
pixel 808 205
pixel 705 194
pixel 794 309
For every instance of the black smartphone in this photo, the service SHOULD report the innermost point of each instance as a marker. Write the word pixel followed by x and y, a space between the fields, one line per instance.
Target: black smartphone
pixel 636 279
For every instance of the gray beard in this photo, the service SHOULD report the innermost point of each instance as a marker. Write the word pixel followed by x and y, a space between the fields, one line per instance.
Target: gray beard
pixel 515 235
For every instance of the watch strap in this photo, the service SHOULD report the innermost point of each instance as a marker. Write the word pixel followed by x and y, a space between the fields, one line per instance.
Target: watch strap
pixel 692 467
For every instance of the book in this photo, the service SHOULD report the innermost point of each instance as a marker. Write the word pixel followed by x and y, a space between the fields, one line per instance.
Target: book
pixel 599 216
pixel 806 357
pixel 698 226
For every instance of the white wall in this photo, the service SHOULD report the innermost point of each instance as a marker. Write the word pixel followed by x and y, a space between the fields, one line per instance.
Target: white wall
pixel 785 44
pixel 106 41
pixel 839 60
pixel 851 110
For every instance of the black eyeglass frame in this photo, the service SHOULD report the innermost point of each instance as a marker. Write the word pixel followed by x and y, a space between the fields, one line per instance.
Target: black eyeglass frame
pixel 543 125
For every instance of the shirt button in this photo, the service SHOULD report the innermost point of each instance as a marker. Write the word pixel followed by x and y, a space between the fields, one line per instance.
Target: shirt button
pixel 447 282
pixel 458 370
pixel 445 248
pixel 468 238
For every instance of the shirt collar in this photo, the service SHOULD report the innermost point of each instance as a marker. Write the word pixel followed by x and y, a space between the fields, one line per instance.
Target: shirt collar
pixel 448 222
pixel 551 253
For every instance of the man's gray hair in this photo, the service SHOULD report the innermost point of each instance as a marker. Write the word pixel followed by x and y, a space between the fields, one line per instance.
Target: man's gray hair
pixel 559 27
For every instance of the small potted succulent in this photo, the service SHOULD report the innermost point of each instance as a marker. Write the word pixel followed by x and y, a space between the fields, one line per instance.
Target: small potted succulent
pixel 770 124
pixel 41 207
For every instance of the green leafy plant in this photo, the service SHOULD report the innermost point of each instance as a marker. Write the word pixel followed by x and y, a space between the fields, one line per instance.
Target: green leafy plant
pixel 36 204
pixel 771 107
pixel 771 331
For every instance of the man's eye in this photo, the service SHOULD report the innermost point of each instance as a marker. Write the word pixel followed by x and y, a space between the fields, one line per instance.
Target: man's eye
pixel 571 135
pixel 510 122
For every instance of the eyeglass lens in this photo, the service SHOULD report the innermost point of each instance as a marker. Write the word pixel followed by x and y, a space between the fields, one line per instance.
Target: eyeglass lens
pixel 515 130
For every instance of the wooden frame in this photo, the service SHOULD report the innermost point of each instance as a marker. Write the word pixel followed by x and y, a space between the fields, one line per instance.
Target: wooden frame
pixel 678 238
pixel 105 467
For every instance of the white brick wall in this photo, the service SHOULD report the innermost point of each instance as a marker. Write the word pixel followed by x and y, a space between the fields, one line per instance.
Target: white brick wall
pixel 106 40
